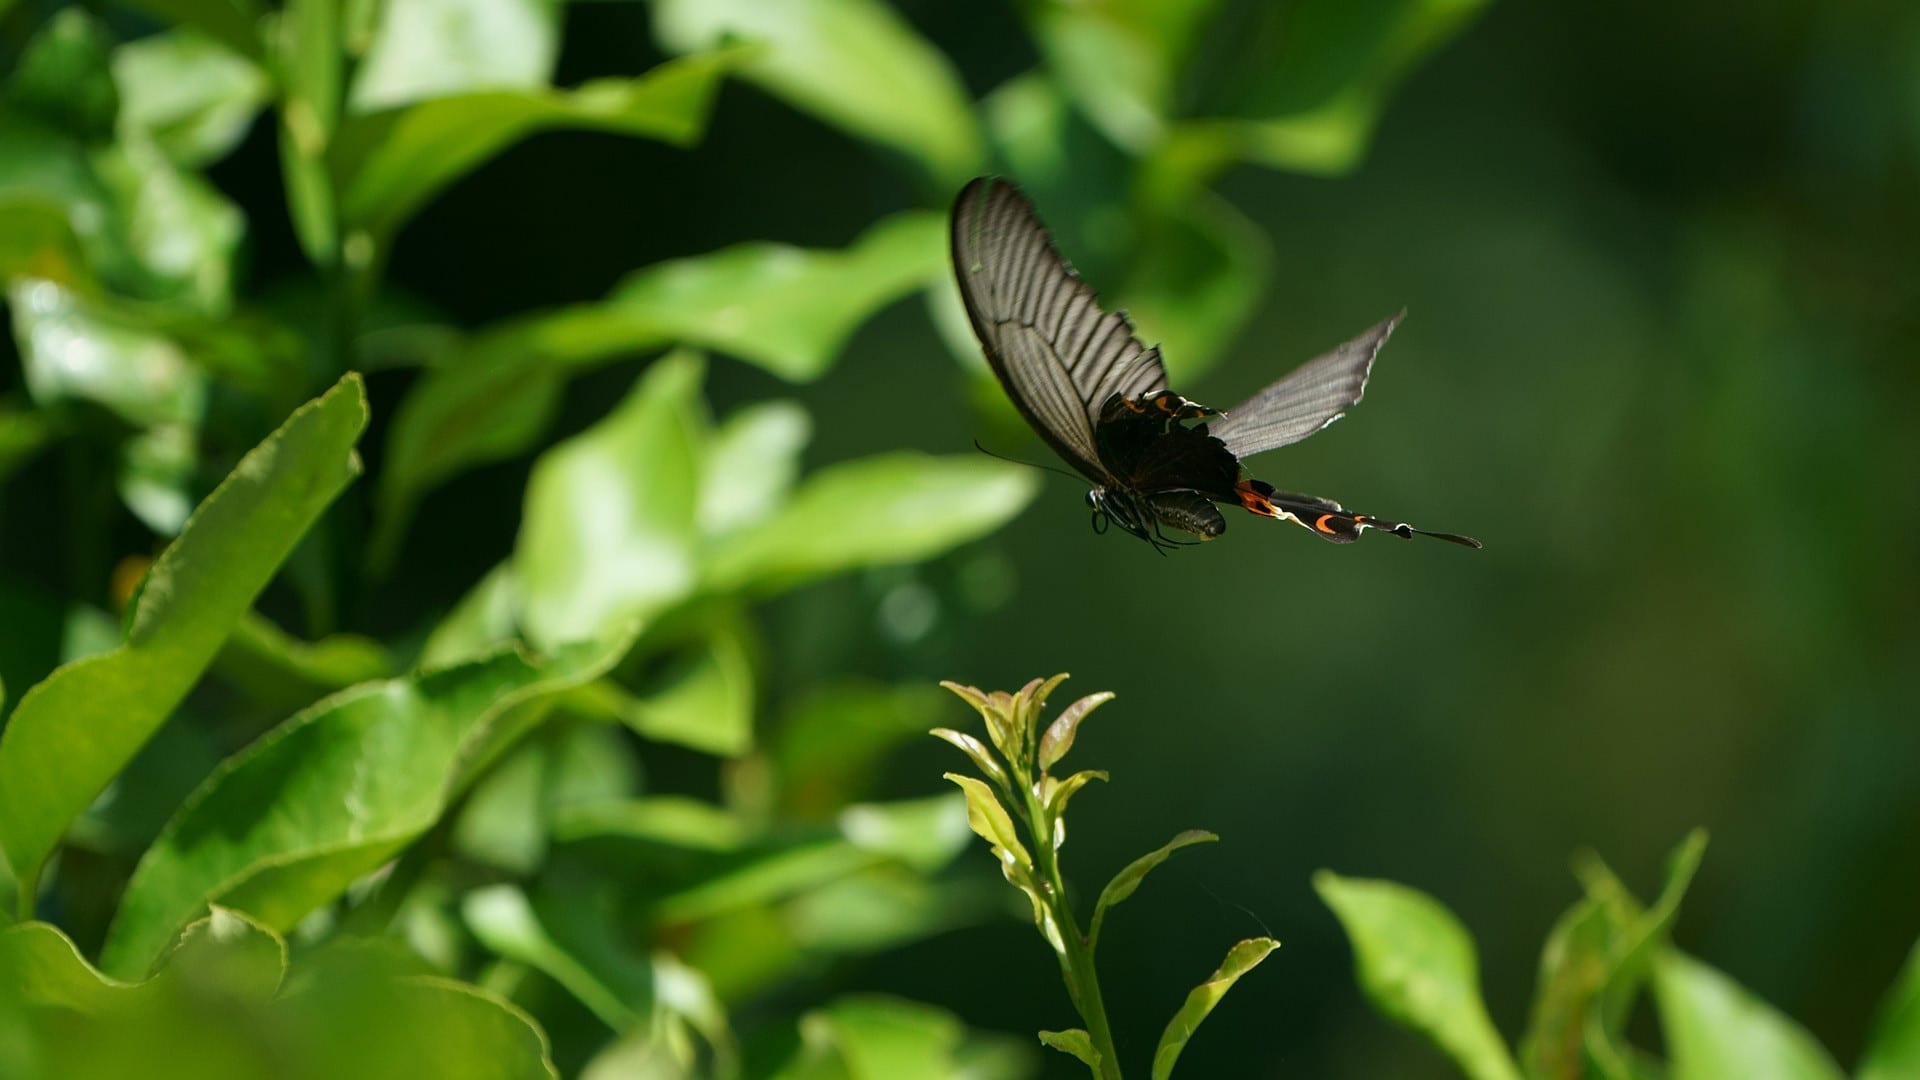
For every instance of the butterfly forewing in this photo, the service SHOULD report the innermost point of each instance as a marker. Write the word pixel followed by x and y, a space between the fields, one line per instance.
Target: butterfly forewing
pixel 1309 398
pixel 1057 353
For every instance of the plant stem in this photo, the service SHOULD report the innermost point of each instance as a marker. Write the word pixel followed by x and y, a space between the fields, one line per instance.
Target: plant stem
pixel 1076 961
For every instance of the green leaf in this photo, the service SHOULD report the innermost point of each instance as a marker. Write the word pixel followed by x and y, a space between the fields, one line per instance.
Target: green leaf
pixel 1594 963
pixel 308 49
pixel 192 96
pixel 705 701
pixel 876 1038
pixel 507 817
pixel 1312 105
pixel 1714 1028
pixel 1127 880
pixel 1075 1043
pixel 608 533
pixel 1418 967
pixel 925 834
pixel 37 237
pixel 233 23
pixel 288 823
pixel 212 1009
pixel 670 820
pixel 784 308
pixel 989 821
pixel 983 758
pixel 198 588
pixel 855 64
pixel 1241 959
pixel 40 968
pixel 76 349
pixel 62 78
pixel 275 668
pixel 572 943
pixel 1059 734
pixel 751 463
pixel 891 508
pixel 484 619
pixel 763 877
pixel 434 48
pixel 390 163
pixel 1055 794
pixel 1121 61
pixel 1893 1049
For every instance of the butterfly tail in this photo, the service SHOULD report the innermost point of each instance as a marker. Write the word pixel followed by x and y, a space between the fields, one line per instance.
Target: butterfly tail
pixel 1328 519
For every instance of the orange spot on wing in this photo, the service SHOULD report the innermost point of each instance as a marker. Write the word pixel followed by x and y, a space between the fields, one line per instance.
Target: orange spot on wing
pixel 1257 502
pixel 1321 524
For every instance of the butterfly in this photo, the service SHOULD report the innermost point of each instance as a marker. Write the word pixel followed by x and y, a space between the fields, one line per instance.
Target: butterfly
pixel 1099 398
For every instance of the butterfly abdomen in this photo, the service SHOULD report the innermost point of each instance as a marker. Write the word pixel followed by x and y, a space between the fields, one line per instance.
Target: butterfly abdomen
pixel 1188 511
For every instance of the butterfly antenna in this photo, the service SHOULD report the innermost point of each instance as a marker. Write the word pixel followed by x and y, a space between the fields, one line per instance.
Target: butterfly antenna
pixel 1029 464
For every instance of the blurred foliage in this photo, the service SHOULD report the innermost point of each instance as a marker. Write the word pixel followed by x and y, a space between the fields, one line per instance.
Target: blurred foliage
pixel 1418 965
pixel 563 744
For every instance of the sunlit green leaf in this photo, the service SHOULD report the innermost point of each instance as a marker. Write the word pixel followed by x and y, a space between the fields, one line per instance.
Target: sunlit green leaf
pixel 981 756
pixel 1714 1028
pixel 990 821
pixel 1121 60
pixel 273 667
pixel 1129 878
pixel 41 968
pixel 72 348
pixel 233 23
pixel 763 877
pixel 875 1038
pixel 787 309
pixel 482 620
pixel 672 820
pixel 291 821
pixel 62 78
pixel 751 462
pixel 1893 1050
pixel 389 163
pixel 1076 1043
pixel 893 508
pixel 510 813
pixel 1058 738
pixel 608 533
pixel 213 1009
pixel 856 64
pixel 1593 965
pixel 37 238
pixel 572 943
pixel 704 701
pixel 198 588
pixel 1312 105
pixel 784 308
pixel 1241 959
pixel 193 97
pixel 434 48
pixel 926 834
pixel 1417 965
pixel 307 46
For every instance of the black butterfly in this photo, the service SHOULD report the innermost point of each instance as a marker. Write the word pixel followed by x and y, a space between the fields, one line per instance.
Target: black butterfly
pixel 1100 398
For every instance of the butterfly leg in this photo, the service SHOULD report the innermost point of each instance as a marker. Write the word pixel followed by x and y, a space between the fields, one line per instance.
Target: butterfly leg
pixel 1328 519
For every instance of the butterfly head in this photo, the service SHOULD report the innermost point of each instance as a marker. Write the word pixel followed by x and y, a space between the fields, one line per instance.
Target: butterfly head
pixel 1120 508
